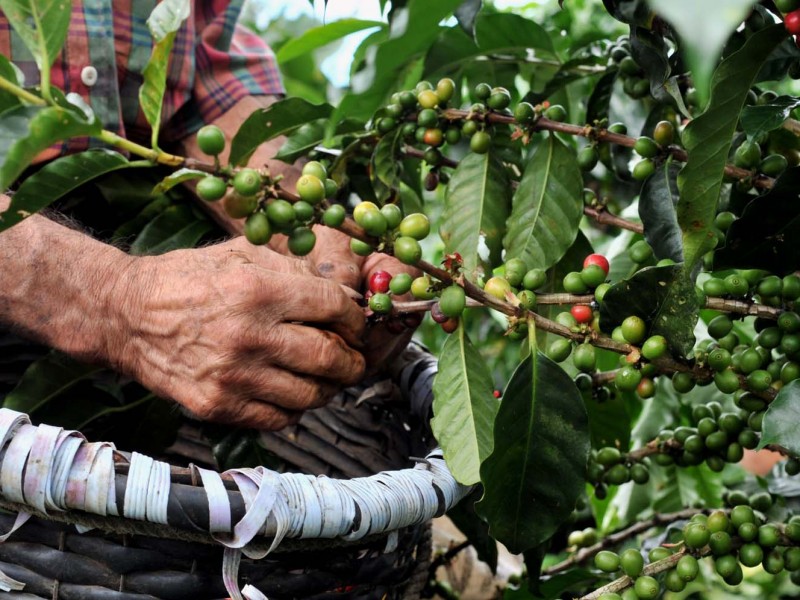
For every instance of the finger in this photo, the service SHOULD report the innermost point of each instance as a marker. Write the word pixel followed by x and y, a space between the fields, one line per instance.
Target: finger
pixel 383 262
pixel 267 258
pixel 316 352
pixel 315 300
pixel 255 414
pixel 333 258
pixel 281 388
pixel 236 408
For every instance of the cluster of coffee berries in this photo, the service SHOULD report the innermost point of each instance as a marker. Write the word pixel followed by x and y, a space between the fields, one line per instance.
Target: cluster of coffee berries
pixel 739 538
pixel 631 563
pixel 714 436
pixel 419 116
pixel 250 195
pixel 392 230
pixel 757 285
pixel 609 466
pixel 582 538
pixel 382 286
pixel 733 539
pixel 634 78
pixel 650 148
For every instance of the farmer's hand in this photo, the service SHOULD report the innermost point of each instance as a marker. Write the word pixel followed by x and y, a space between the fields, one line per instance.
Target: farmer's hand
pixel 331 255
pixel 334 259
pixel 238 334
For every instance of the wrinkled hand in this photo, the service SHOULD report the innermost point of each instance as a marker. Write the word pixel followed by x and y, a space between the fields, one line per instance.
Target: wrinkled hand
pixel 334 260
pixel 238 334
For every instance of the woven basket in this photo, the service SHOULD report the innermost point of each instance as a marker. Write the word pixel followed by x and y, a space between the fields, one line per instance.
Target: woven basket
pixel 359 535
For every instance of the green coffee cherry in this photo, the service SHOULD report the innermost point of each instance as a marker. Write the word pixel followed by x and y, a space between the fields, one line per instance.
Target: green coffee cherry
pixel 632 562
pixel 607 561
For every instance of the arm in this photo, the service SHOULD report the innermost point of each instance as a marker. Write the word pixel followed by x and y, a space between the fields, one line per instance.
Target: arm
pixel 236 336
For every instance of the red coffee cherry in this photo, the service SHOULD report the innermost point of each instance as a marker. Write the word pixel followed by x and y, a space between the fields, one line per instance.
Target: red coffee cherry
pixel 379 282
pixel 582 313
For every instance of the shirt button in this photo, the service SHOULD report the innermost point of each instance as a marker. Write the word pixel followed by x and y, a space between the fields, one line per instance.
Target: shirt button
pixel 89 75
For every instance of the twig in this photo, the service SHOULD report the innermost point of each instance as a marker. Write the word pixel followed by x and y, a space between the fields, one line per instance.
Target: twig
pixel 604 217
pixel 446 557
pixel 620 536
pixel 743 308
pixel 601 135
pixel 625 582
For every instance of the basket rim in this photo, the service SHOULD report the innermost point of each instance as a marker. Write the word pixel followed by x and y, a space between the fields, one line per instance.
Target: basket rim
pixel 57 474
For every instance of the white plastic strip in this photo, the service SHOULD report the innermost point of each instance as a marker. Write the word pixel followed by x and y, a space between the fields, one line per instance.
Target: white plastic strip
pixel 68 447
pixel 219 505
pixel 250 592
pixel 135 503
pixel 40 463
pixel 97 484
pixel 16 458
pixel 231 557
pixel 158 493
pixel 7 584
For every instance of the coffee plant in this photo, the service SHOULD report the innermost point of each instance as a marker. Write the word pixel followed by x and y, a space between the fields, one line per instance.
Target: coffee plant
pixel 604 220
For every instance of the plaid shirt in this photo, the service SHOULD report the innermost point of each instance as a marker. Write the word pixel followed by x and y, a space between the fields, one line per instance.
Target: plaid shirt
pixel 214 64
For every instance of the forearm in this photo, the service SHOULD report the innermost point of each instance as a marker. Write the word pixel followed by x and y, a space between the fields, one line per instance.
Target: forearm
pixel 57 286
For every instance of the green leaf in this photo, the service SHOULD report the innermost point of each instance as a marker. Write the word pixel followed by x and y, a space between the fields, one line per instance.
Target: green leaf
pixel 176 227
pixel 307 137
pixel 609 422
pixel 657 211
pixel 467 13
pixel 699 484
pixel 781 419
pixel 56 179
pixel 651 53
pixel 46 379
pixel 777 66
pixel 27 130
pixel 570 71
pixel 708 140
pixel 9 72
pixel 316 37
pixel 267 123
pixel 477 203
pixel 599 102
pixel 703 38
pixel 450 49
pixel 510 32
pixel 164 22
pixel 176 178
pixel 663 296
pixel 765 236
pixel 42 26
pixel 763 118
pixel 413 29
pixel 629 11
pixel 541 444
pixel 384 162
pixel 464 407
pixel 547 206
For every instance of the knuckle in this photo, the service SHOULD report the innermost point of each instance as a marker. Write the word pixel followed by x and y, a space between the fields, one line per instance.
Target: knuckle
pixel 209 408
pixel 312 395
